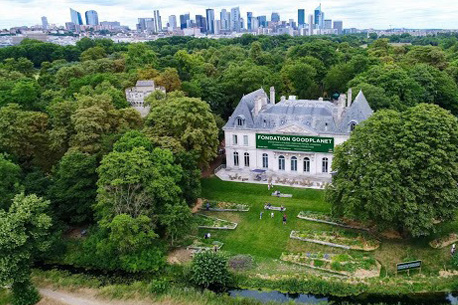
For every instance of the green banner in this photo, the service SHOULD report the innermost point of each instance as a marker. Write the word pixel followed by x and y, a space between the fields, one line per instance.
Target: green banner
pixel 294 143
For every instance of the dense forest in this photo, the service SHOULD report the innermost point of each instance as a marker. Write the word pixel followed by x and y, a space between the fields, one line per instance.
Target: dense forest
pixel 73 153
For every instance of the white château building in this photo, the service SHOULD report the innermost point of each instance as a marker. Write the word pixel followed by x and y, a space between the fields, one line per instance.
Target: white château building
pixel 293 138
pixel 136 95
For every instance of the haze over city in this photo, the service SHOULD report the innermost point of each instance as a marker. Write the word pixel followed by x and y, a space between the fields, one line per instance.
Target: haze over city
pixel 357 13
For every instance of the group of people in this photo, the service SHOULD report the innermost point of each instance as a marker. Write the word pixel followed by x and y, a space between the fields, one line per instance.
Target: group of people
pixel 272 214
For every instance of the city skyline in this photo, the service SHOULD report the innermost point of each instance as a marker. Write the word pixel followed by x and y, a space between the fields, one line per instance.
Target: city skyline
pixel 358 13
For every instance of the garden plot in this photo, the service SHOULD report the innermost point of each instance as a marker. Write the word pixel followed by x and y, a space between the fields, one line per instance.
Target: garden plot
pixel 355 265
pixel 207 222
pixel 444 241
pixel 325 218
pixel 204 245
pixel 338 239
pixel 224 206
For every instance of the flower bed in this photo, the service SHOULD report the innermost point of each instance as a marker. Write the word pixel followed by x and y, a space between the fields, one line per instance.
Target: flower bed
pixel 325 218
pixel 225 206
pixel 207 222
pixel 339 239
pixel 444 241
pixel 357 265
pixel 205 245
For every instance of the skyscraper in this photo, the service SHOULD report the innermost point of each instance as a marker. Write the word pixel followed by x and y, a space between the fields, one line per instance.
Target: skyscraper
pixel 210 26
pixel 172 22
pixel 301 17
pixel 157 21
pixel 310 31
pixel 317 15
pixel 92 18
pixel 235 19
pixel 225 18
pixel 328 24
pixel 44 23
pixel 184 20
pixel 338 25
pixel 275 17
pixel 76 17
pixel 146 24
pixel 201 23
pixel 249 15
pixel 262 21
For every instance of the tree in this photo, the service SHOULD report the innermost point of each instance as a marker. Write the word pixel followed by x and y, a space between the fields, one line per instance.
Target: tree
pixel 23 133
pixel 209 269
pixel 23 232
pixel 93 54
pixel 73 187
pixel 169 79
pixel 299 79
pixel 140 55
pixel 399 170
pixel 187 120
pixel 10 182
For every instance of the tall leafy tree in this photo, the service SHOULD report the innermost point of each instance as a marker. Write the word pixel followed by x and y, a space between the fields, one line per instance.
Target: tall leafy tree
pixel 10 182
pixel 399 170
pixel 23 235
pixel 189 121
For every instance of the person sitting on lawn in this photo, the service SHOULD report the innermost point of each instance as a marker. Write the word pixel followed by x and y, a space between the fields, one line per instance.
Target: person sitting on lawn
pixel 282 208
pixel 260 215
pixel 272 215
pixel 284 219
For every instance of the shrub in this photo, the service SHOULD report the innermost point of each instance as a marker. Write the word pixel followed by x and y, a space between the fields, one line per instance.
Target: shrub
pixel 158 286
pixel 455 260
pixel 210 269
pixel 241 262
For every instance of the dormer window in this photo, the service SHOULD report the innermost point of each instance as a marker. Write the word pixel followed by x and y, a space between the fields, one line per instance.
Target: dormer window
pixel 353 125
pixel 240 121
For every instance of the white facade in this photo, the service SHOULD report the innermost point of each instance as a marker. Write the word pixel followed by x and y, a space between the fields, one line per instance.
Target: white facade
pixel 136 95
pixel 258 114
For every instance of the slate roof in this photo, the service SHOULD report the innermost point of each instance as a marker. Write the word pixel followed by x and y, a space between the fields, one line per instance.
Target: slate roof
pixel 313 115
pixel 145 83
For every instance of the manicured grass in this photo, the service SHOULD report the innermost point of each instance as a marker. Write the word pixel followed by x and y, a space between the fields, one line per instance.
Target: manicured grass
pixel 267 238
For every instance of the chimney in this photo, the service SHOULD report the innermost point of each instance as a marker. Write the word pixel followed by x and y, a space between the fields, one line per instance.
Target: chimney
pixel 341 106
pixel 283 98
pixel 349 98
pixel 292 97
pixel 320 99
pixel 272 95
pixel 259 102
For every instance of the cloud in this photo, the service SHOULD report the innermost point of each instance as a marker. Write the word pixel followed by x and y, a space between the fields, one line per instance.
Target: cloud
pixel 354 13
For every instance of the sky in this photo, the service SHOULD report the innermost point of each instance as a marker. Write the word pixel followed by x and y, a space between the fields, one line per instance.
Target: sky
pixel 362 14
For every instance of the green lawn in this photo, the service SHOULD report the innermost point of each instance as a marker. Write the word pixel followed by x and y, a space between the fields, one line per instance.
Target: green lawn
pixel 267 238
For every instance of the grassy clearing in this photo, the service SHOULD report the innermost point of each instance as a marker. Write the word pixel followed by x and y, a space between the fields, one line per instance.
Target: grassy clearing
pixel 267 238
pixel 5 296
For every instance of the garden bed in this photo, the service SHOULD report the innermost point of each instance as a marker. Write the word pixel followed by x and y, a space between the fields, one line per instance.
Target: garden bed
pixel 274 208
pixel 207 222
pixel 224 206
pixel 325 218
pixel 355 265
pixel 444 241
pixel 338 239
pixel 204 245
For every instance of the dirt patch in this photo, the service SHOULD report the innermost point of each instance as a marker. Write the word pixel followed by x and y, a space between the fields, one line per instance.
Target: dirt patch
pixel 76 232
pixel 391 234
pixel 179 256
pixel 198 205
pixel 444 241
pixel 450 273
pixel 49 301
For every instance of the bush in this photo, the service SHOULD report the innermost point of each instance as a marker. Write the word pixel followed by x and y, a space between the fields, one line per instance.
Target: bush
pixel 24 294
pixel 455 260
pixel 241 262
pixel 210 269
pixel 158 286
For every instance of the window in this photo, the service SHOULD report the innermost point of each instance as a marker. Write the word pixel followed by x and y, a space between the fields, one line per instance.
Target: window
pixel 236 159
pixel 246 156
pixel 234 139
pixel 281 163
pixel 293 164
pixel 352 125
pixel 306 165
pixel 240 121
pixel 325 165
pixel 265 161
pixel 245 140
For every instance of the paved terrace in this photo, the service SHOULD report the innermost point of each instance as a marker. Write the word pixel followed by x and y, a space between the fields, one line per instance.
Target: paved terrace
pixel 278 179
